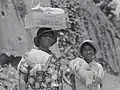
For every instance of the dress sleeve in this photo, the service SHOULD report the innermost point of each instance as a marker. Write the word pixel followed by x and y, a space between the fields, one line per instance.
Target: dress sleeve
pixel 75 64
pixel 78 68
pixel 23 66
pixel 101 72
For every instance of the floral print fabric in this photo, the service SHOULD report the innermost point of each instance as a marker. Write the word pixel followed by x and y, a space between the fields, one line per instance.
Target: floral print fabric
pixel 50 79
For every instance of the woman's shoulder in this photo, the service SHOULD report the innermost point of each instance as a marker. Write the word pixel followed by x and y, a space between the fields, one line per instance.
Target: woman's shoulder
pixel 30 56
pixel 78 60
pixel 98 65
pixel 37 53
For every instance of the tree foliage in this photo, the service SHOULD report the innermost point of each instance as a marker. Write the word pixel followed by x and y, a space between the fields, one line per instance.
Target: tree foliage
pixel 108 7
pixel 85 21
pixel 20 7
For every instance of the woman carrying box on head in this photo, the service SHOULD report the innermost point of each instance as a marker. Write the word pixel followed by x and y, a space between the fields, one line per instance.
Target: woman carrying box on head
pixel 39 69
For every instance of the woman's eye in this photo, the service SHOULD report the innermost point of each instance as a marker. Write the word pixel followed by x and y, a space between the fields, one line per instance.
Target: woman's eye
pixel 46 35
pixel 87 49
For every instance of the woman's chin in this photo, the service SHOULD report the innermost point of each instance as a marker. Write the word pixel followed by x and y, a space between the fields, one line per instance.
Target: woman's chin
pixel 47 45
pixel 88 59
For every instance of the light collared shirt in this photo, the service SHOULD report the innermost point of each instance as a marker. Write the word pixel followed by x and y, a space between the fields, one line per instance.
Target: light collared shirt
pixel 83 72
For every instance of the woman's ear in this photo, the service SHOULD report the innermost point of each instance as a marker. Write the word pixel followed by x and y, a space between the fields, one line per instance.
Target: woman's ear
pixel 38 40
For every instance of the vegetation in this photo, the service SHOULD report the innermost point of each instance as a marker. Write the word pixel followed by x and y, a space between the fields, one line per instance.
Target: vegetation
pixel 86 22
pixel 108 7
pixel 20 7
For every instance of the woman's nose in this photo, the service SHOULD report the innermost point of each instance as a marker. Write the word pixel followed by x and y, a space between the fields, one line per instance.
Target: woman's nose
pixel 48 37
pixel 88 51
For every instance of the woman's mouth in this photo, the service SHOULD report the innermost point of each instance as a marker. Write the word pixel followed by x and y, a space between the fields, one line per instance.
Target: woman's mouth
pixel 89 55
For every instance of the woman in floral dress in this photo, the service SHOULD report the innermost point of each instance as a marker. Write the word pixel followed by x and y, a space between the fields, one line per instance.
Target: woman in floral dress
pixel 39 69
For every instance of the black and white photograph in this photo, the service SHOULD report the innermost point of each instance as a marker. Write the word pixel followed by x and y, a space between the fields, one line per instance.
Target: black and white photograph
pixel 59 44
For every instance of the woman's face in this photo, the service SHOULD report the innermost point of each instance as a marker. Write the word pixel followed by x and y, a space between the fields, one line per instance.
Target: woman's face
pixel 46 39
pixel 88 52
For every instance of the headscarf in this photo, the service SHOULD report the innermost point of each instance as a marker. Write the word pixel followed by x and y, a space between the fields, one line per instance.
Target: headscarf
pixel 89 42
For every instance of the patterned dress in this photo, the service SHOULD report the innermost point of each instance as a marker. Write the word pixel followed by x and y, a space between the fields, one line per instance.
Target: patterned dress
pixel 85 74
pixel 39 79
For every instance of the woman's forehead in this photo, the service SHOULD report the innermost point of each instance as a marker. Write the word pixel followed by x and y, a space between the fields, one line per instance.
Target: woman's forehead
pixel 88 45
pixel 48 33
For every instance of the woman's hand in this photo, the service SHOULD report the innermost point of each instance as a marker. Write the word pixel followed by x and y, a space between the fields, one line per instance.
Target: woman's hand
pixel 97 80
pixel 65 77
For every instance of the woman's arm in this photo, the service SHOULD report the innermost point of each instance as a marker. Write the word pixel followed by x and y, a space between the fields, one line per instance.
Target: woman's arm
pixel 77 68
pixel 22 84
pixel 99 77
pixel 65 74
pixel 23 73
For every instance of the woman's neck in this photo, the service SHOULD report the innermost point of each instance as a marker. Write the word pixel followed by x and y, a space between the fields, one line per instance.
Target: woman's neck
pixel 43 48
pixel 88 60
